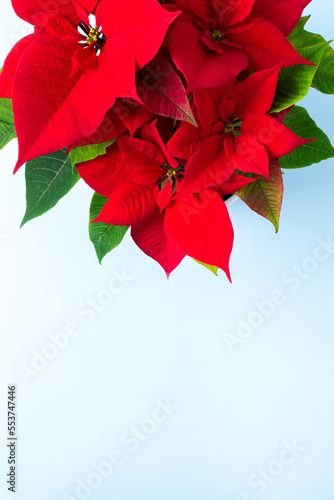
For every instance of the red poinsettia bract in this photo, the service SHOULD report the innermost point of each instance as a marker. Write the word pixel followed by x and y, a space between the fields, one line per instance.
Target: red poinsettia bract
pixel 67 77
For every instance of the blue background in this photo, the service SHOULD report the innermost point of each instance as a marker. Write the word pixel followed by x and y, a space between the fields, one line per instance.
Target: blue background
pixel 241 395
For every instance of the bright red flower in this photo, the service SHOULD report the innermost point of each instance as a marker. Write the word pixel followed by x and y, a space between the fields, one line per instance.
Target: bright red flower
pixel 284 14
pixel 235 133
pixel 224 39
pixel 58 80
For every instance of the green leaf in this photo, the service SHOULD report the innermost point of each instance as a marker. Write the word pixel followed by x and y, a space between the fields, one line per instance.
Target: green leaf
pixel 48 179
pixel 294 82
pixel 89 152
pixel 104 237
pixel 213 269
pixel 324 77
pixel 299 121
pixel 7 129
pixel 265 196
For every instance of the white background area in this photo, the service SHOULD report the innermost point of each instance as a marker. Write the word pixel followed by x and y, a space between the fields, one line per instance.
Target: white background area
pixel 235 409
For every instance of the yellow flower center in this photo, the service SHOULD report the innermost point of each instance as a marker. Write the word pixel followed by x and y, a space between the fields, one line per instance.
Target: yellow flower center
pixel 93 36
pixel 217 35
pixel 228 128
pixel 171 173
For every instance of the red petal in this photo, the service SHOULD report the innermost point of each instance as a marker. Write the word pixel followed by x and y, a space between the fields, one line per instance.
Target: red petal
pixel 202 67
pixel 133 117
pixel 150 133
pixel 162 92
pixel 129 204
pixel 62 28
pixel 207 108
pixel 38 12
pixel 146 159
pixel 106 172
pixel 256 93
pixel 110 129
pixel 139 152
pixel 278 139
pixel 229 145
pixel 201 8
pixel 165 195
pixel 115 72
pixel 284 14
pixel 226 109
pixel 83 60
pixel 186 141
pixel 235 183
pixel 202 229
pixel 143 26
pixel 250 156
pixel 151 238
pixel 207 168
pixel 266 47
pixel 56 117
pixel 83 8
pixel 10 65
pixel 233 12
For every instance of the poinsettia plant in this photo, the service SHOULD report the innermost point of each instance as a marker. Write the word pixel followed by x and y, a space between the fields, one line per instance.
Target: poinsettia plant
pixel 165 109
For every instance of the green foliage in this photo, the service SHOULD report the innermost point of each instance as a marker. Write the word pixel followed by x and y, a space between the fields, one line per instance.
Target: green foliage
pixel 7 128
pixel 213 269
pixel 324 77
pixel 299 121
pixel 294 82
pixel 89 152
pixel 104 237
pixel 48 179
pixel 264 196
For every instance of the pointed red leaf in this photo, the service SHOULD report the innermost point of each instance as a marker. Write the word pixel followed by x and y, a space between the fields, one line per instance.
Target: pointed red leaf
pixel 202 67
pixel 264 196
pixel 48 105
pixel 106 172
pixel 129 204
pixel 165 195
pixel 256 93
pixel 110 129
pixel 235 183
pixel 284 14
pixel 38 12
pixel 201 8
pixel 202 229
pixel 115 71
pixel 186 141
pixel 143 26
pixel 206 107
pixel 151 238
pixel 10 65
pixel 207 168
pixel 150 133
pixel 133 117
pixel 250 156
pixel 266 47
pixel 162 91
pixel 277 138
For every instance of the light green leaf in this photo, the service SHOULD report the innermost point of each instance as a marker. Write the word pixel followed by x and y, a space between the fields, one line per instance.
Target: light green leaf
pixel 299 121
pixel 7 128
pixel 89 152
pixel 213 269
pixel 265 196
pixel 48 179
pixel 294 82
pixel 324 77
pixel 104 237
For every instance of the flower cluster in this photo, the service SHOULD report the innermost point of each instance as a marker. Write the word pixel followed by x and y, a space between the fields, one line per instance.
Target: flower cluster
pixel 180 104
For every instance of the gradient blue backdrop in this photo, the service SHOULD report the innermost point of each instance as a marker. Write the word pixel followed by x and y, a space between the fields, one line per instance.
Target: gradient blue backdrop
pixel 238 407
